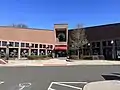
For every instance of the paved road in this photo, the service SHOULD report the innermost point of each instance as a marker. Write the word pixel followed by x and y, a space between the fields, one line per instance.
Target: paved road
pixel 41 77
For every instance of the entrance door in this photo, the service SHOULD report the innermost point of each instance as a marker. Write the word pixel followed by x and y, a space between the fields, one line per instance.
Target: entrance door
pixel 60 53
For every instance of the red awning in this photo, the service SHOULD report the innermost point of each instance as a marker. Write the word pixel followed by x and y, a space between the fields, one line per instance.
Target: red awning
pixel 61 48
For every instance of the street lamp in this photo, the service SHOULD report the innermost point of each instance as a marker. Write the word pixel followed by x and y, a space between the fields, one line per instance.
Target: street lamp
pixel 88 44
pixel 7 51
pixel 112 42
pixel 89 48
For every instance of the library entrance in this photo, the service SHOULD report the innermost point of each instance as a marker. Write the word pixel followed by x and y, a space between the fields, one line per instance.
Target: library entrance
pixel 60 51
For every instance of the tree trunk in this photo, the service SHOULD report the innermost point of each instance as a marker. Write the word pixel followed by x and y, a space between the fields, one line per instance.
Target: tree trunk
pixel 82 52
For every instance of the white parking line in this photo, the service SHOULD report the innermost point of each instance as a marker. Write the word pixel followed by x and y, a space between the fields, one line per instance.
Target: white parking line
pixel 66 85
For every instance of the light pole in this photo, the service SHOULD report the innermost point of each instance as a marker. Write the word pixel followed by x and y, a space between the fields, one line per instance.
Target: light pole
pixel 7 51
pixel 113 49
pixel 89 49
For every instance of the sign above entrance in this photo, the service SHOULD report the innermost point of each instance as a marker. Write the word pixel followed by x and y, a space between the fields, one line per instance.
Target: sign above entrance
pixel 61 47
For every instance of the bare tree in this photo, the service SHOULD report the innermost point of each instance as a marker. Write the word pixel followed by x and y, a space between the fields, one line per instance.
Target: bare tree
pixel 78 39
pixel 20 25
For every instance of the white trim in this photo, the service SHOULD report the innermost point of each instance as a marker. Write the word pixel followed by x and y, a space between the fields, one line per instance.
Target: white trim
pixel 27 42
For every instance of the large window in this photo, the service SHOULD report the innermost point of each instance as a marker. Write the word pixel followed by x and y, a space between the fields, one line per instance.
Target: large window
pixel 44 46
pixel 61 35
pixel 11 44
pixel 4 43
pixel 109 43
pixel 117 42
pixel 22 44
pixel 93 44
pixel 16 44
pixel 36 45
pixel 104 43
pixel 98 44
pixel 40 46
pixel 51 46
pixel 33 45
pixel 27 44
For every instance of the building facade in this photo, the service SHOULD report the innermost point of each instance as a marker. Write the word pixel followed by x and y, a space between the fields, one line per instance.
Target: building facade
pixel 21 42
pixel 103 40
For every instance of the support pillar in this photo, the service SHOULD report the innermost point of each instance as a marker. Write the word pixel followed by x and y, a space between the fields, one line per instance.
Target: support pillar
pixel 29 51
pixel 19 50
pixel 45 51
pixel 101 48
pixel 38 52
pixel 7 53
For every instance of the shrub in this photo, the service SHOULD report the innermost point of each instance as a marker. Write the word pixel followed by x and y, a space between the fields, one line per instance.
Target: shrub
pixel 74 57
pixel 87 57
pixel 32 57
pixel 49 55
pixel 35 57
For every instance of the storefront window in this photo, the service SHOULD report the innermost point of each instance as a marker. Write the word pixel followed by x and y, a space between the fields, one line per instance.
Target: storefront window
pixel 109 43
pixel 11 44
pixel 117 42
pixel 40 46
pixel 51 46
pixel 4 43
pixel 16 44
pixel 27 44
pixel 22 44
pixel 44 46
pixel 93 44
pixel 98 44
pixel 36 45
pixel 104 43
pixel 32 45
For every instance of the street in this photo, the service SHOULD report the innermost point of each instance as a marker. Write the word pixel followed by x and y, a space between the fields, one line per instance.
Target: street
pixel 39 78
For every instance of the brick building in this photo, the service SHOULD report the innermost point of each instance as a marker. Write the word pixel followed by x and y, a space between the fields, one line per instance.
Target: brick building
pixel 103 40
pixel 20 42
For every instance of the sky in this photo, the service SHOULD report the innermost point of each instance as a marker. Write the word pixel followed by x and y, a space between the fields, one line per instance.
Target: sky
pixel 44 14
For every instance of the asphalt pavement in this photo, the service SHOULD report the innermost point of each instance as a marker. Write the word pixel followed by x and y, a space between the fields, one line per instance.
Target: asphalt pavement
pixel 40 78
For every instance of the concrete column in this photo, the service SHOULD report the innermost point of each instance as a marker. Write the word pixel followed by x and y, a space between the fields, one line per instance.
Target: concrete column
pixel 101 48
pixel 19 50
pixel 29 51
pixel 38 52
pixel 45 51
pixel 7 51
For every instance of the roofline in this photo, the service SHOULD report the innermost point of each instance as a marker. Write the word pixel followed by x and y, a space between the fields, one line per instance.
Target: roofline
pixel 98 26
pixel 102 25
pixel 26 28
pixel 61 24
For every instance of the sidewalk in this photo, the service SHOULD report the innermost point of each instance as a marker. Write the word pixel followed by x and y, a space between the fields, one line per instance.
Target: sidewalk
pixel 57 62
